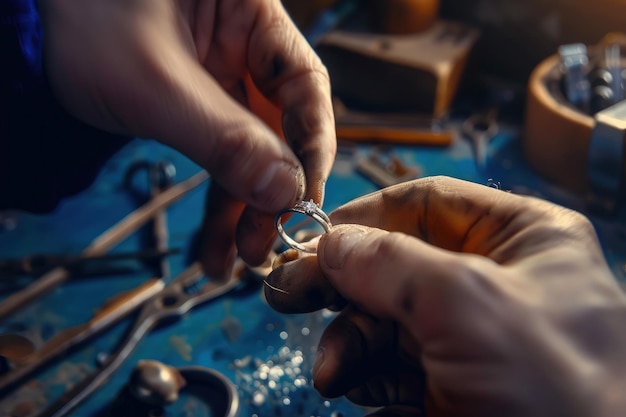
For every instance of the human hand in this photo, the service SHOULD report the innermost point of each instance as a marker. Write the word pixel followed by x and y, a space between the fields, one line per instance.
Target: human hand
pixel 199 75
pixel 463 301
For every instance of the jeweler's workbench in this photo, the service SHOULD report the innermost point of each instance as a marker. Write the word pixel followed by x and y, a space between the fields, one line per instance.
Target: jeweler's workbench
pixel 231 336
pixel 266 354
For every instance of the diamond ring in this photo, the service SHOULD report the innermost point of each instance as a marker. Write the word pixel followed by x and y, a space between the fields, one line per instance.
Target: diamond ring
pixel 308 208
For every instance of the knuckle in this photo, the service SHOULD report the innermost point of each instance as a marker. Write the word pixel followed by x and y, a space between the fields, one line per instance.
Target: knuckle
pixel 581 223
pixel 468 276
pixel 305 122
pixel 309 130
pixel 565 223
pixel 319 74
pixel 384 246
pixel 237 147
pixel 439 183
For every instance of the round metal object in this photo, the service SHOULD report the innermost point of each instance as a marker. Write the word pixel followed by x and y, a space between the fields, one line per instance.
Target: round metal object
pixel 219 392
pixel 308 208
pixel 155 383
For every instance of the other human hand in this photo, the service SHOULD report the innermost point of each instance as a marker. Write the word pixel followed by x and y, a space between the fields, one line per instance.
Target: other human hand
pixel 463 300
pixel 208 78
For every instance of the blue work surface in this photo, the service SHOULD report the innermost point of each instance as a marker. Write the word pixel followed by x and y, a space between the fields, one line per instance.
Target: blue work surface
pixel 268 355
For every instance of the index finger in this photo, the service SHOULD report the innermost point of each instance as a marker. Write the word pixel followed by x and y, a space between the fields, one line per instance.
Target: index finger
pixel 466 217
pixel 287 71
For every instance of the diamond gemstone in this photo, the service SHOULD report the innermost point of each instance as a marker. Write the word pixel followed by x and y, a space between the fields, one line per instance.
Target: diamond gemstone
pixel 309 207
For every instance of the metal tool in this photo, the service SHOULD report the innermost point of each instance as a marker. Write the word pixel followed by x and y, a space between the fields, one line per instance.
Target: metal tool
pixel 160 177
pixel 109 314
pixel 223 397
pixel 480 128
pixel 574 59
pixel 29 359
pixel 384 168
pixel 183 293
pixel 102 243
pixel 606 157
pixel 155 383
pixel 32 264
pixel 614 67
pixel 154 389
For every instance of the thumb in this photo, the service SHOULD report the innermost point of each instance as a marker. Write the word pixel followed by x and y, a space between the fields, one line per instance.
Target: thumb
pixel 240 151
pixel 394 275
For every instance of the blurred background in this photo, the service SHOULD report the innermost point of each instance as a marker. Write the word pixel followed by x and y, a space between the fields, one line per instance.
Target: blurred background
pixel 517 34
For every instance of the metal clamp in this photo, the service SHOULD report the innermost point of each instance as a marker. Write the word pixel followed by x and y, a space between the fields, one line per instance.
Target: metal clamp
pixel 575 60
pixel 606 156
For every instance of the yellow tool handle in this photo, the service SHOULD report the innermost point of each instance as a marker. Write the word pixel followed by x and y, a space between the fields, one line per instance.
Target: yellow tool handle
pixel 398 136
pixel 112 311
pixel 123 304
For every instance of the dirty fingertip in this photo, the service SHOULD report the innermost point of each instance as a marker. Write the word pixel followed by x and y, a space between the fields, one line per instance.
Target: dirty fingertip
pixel 285 257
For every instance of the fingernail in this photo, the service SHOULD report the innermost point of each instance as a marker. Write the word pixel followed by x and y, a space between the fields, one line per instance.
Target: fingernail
pixel 319 361
pixel 339 244
pixel 280 185
pixel 322 192
pixel 286 257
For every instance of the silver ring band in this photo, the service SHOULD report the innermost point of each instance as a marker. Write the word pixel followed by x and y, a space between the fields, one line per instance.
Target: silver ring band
pixel 308 208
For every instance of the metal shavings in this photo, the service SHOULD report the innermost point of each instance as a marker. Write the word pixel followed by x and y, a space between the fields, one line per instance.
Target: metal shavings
pixel 495 185
pixel 275 381
pixel 278 383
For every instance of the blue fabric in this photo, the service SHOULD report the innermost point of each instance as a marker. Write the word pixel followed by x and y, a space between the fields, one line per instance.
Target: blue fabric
pixel 21 38
pixel 45 154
